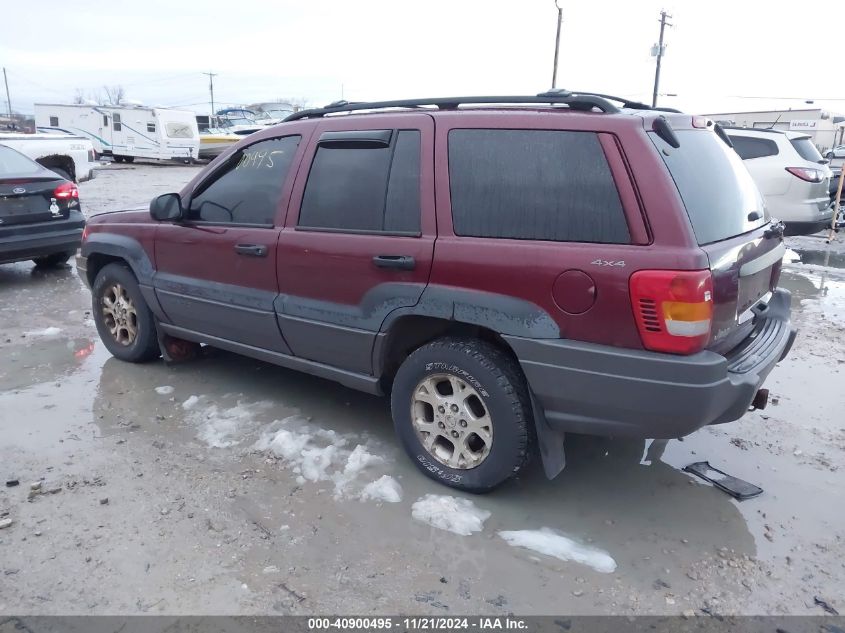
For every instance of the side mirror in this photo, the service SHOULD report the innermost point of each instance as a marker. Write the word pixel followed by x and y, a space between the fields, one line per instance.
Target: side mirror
pixel 166 207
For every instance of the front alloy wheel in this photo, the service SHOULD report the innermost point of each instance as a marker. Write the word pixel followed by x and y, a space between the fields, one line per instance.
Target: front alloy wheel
pixel 119 314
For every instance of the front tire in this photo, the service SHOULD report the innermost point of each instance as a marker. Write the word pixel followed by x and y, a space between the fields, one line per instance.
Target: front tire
pixel 124 321
pixel 462 412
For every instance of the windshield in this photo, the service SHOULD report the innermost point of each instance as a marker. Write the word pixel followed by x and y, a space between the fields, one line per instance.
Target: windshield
pixel 805 148
pixel 717 190
pixel 11 162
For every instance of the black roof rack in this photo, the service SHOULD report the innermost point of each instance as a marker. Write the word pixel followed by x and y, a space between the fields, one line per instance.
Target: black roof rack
pixel 574 100
pixel 634 105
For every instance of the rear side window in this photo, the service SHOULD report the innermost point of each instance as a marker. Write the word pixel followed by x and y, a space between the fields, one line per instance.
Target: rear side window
pixel 533 185
pixel 247 189
pixel 116 122
pixel 806 149
pixel 748 147
pixel 54 121
pixel 715 186
pixel 367 189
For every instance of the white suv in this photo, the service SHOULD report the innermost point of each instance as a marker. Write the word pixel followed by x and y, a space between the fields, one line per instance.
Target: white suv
pixel 790 173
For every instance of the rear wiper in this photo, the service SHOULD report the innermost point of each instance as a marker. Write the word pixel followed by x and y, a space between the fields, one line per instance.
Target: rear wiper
pixel 775 230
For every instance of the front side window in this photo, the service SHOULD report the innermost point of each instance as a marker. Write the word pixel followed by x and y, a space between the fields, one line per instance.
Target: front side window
pixel 748 147
pixel 366 188
pixel 54 121
pixel 533 185
pixel 246 190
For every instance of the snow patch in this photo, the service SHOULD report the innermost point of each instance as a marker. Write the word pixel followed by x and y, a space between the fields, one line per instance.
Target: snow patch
pixel 164 390
pixel 190 403
pixel 385 488
pixel 222 428
pixel 315 454
pixel 460 516
pixel 50 331
pixel 547 541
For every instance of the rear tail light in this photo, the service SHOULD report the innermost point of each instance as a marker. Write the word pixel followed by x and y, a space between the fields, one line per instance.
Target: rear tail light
pixel 806 173
pixel 66 191
pixel 85 233
pixel 673 309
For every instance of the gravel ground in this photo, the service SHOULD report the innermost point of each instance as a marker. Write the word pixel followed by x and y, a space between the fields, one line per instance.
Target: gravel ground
pixel 137 497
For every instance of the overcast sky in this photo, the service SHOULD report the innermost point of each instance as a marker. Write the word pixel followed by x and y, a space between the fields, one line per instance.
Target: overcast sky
pixel 384 49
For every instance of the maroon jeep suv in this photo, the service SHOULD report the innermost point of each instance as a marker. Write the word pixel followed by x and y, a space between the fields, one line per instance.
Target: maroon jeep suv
pixel 507 269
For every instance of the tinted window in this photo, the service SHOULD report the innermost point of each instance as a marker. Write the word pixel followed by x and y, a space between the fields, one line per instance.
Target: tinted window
pixel 248 190
pixel 748 147
pixel 716 188
pixel 371 189
pixel 535 185
pixel 806 149
pixel 54 121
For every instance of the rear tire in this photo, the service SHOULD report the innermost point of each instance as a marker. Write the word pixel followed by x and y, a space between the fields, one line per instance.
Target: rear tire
pixel 52 261
pixel 124 321
pixel 491 397
pixel 118 159
pixel 129 159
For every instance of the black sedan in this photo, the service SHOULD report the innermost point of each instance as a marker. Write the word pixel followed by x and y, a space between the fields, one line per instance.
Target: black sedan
pixel 40 216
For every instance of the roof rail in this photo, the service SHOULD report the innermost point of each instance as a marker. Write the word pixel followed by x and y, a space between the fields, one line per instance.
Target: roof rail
pixel 575 101
pixel 634 105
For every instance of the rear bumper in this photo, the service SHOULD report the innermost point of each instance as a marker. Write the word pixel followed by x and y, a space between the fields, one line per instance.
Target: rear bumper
pixel 600 390
pixel 27 241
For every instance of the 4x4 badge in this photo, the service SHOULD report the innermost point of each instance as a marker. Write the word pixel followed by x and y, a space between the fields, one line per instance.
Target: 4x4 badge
pixel 604 262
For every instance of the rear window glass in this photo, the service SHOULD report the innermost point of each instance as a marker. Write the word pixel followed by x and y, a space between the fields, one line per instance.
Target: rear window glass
pixel 533 185
pixel 715 186
pixel 748 147
pixel 11 162
pixel 806 149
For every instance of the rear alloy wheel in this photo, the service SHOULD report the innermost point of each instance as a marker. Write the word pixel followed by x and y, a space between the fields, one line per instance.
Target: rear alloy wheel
pixel 451 421
pixel 124 322
pixel 462 412
pixel 52 261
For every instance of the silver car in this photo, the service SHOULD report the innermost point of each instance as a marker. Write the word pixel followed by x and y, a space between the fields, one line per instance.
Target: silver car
pixel 790 173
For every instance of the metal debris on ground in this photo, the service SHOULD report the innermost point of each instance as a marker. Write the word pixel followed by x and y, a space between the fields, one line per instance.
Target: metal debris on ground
pixel 737 488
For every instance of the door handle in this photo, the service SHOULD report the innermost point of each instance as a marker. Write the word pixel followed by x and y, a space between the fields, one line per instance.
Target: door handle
pixel 400 262
pixel 253 250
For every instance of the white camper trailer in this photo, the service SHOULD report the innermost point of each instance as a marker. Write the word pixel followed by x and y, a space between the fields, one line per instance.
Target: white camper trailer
pixel 126 132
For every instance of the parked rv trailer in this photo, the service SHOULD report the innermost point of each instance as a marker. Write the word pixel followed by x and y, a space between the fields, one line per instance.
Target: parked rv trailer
pixel 126 132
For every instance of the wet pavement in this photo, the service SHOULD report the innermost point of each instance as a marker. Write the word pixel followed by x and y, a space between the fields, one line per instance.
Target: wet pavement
pixel 158 502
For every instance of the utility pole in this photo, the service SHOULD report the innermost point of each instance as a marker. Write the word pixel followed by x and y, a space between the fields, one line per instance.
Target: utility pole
pixel 8 98
pixel 557 43
pixel 658 52
pixel 211 77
